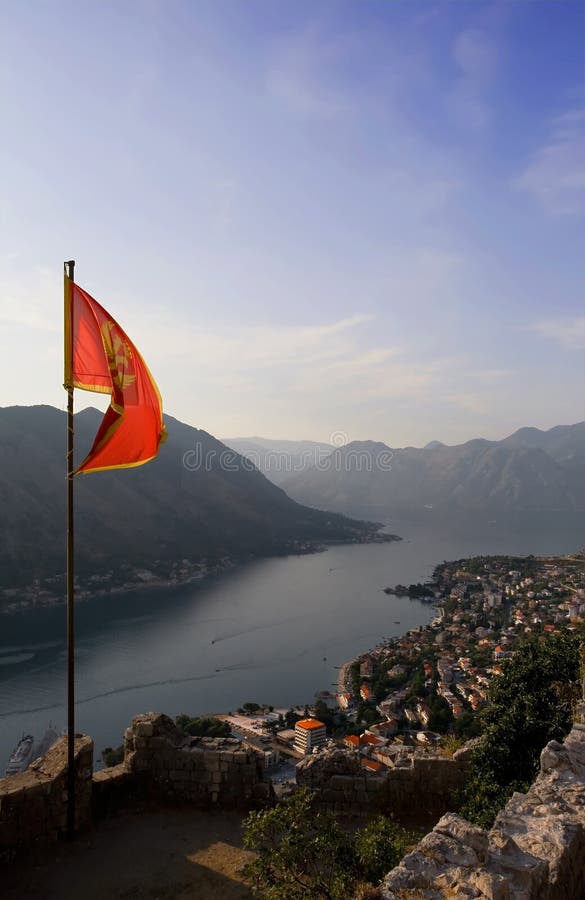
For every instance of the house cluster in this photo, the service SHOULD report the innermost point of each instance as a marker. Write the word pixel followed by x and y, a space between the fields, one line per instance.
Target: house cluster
pixel 50 591
pixel 484 606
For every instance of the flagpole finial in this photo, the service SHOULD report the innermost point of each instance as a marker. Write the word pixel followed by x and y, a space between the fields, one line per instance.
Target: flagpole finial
pixel 69 266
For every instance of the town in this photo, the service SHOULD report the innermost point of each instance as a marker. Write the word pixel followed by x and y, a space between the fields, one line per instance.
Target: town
pixel 421 693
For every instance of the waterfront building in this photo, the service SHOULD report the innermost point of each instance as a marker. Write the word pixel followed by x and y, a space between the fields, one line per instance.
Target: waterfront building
pixel 309 733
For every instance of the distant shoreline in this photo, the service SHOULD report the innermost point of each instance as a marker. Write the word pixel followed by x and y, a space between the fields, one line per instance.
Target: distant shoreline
pixel 83 594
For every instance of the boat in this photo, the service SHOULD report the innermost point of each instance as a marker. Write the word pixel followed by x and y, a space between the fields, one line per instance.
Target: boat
pixel 27 750
pixel 21 756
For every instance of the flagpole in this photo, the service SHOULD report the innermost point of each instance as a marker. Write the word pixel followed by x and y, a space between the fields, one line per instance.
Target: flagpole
pixel 69 271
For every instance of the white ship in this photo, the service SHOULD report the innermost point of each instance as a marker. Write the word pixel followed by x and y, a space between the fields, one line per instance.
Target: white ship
pixel 22 756
pixel 28 750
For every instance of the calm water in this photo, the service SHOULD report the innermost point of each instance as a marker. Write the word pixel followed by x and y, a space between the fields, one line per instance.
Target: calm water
pixel 272 631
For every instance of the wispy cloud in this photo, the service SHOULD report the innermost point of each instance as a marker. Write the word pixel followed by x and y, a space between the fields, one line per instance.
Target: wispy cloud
pixel 569 332
pixel 476 57
pixel 556 174
pixel 297 75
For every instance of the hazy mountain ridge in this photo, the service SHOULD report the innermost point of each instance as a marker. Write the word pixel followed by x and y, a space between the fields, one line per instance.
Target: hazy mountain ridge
pixel 530 469
pixel 278 460
pixel 188 503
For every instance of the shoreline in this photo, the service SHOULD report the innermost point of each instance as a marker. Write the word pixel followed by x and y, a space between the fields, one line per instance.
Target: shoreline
pixel 342 677
pixel 83 594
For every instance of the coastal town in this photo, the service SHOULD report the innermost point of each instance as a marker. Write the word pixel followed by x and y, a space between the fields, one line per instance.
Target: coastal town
pixel 422 692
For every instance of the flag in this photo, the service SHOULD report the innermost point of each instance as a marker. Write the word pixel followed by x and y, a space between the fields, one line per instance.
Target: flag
pixel 100 357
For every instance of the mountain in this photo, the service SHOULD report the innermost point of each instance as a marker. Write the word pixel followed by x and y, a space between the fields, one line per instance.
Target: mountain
pixel 529 470
pixel 197 500
pixel 565 443
pixel 278 460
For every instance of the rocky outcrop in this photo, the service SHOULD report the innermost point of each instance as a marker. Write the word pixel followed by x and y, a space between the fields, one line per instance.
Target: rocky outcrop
pixel 536 848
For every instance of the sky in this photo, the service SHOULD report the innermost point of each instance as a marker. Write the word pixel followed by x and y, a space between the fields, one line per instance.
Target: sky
pixel 318 219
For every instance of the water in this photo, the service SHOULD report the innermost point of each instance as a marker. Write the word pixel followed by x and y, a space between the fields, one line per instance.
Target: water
pixel 272 631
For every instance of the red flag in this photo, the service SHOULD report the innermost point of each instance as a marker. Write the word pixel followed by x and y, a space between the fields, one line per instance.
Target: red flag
pixel 99 356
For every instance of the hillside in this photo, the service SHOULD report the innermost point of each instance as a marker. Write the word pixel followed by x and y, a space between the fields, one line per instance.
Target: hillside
pixel 529 470
pixel 196 500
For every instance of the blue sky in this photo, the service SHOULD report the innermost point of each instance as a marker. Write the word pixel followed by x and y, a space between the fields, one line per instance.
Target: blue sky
pixel 358 216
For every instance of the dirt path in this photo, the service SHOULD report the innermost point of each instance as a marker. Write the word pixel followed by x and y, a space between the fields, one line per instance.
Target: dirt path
pixel 162 855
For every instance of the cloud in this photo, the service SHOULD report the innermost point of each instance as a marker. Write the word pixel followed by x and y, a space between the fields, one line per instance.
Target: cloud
pixel 476 57
pixel 468 402
pixel 556 173
pixel 297 75
pixel 569 332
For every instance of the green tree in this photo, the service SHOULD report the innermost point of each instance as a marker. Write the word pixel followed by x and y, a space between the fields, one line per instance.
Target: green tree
pixel 467 725
pixel 302 852
pixel 291 718
pixel 113 756
pixel 371 716
pixel 203 726
pixel 441 715
pixel 322 713
pixel 380 845
pixel 531 705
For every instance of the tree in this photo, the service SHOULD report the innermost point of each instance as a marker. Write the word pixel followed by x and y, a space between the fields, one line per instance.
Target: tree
pixel 531 705
pixel 322 713
pixel 113 756
pixel 380 845
pixel 441 715
pixel 371 716
pixel 291 718
pixel 301 852
pixel 203 726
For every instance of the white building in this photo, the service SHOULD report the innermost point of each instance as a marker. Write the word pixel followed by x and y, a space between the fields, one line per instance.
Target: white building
pixel 309 733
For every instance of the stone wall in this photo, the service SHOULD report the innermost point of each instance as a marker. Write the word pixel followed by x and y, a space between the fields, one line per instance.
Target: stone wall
pixel 416 792
pixel 33 805
pixel 205 772
pixel 536 848
pixel 160 765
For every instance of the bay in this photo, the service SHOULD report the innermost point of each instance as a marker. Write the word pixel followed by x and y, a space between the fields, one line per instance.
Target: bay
pixel 271 631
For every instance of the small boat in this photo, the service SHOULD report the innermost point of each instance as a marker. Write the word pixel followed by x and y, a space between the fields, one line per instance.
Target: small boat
pixel 22 755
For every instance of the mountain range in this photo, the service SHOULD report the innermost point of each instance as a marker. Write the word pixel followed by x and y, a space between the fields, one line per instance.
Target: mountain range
pixel 529 470
pixel 197 500
pixel 279 460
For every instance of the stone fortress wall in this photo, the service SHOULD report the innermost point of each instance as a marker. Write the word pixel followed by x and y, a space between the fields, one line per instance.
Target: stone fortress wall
pixel 536 848
pixel 160 765
pixel 416 792
pixel 33 804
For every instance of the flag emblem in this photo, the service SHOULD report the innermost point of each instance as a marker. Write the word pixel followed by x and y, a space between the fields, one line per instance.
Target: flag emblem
pixel 100 357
